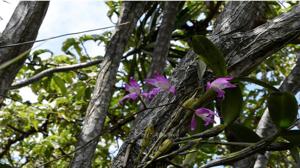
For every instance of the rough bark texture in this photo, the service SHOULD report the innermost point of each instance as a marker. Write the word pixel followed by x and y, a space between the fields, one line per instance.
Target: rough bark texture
pixel 265 126
pixel 243 50
pixel 240 17
pixel 162 43
pixel 98 106
pixel 23 26
pixel 247 49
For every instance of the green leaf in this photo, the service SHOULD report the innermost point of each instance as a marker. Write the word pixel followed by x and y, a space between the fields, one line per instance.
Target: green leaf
pixel 41 51
pixel 35 124
pixel 59 85
pixel 257 82
pixel 80 93
pixel 68 43
pixel 210 54
pixel 231 106
pixel 293 136
pixel 240 133
pixel 283 109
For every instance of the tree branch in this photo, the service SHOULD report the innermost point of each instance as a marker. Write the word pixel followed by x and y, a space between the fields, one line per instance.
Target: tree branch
pixel 51 71
pixel 23 26
pixel 164 36
pixel 253 47
pixel 101 97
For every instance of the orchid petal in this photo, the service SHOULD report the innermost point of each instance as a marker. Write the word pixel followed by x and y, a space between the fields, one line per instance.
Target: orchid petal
pixel 133 86
pixel 206 114
pixel 159 81
pixel 133 83
pixel 131 96
pixel 152 93
pixel 151 82
pixel 219 84
pixel 220 93
pixel 208 86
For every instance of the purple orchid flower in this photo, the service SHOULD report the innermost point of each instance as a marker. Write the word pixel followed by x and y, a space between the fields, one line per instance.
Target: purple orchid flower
pixel 151 94
pixel 134 91
pixel 219 85
pixel 206 114
pixel 161 83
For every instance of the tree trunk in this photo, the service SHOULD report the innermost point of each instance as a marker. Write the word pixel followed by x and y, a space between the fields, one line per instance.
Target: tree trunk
pixel 23 26
pixel 162 43
pixel 265 126
pixel 243 51
pixel 98 106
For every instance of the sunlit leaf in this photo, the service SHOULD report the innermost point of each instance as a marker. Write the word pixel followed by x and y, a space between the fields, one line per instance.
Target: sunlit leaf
pixel 59 85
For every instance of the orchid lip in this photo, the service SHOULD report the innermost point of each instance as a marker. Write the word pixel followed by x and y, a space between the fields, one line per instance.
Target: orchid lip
pixel 204 113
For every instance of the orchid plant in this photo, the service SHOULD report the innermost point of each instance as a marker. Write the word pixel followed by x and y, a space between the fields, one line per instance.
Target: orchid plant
pixel 160 83
pixel 206 114
pixel 134 91
pixel 218 85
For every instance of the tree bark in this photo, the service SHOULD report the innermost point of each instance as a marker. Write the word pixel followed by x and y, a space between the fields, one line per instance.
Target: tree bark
pixel 98 106
pixel 265 126
pixel 162 43
pixel 239 50
pixel 250 15
pixel 23 26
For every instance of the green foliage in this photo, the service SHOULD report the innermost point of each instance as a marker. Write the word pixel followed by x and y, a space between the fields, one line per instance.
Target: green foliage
pixel 191 11
pixel 283 109
pixel 54 119
pixel 292 136
pixel 295 154
pixel 114 8
pixel 210 54
pixel 240 133
pixel 231 106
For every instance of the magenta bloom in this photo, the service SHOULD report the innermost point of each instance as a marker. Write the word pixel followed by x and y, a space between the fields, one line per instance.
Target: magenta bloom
pixel 134 91
pixel 151 94
pixel 161 84
pixel 206 114
pixel 219 85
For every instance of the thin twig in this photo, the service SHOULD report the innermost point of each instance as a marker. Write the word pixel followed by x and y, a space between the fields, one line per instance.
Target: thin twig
pixel 50 71
pixel 205 134
pixel 182 149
